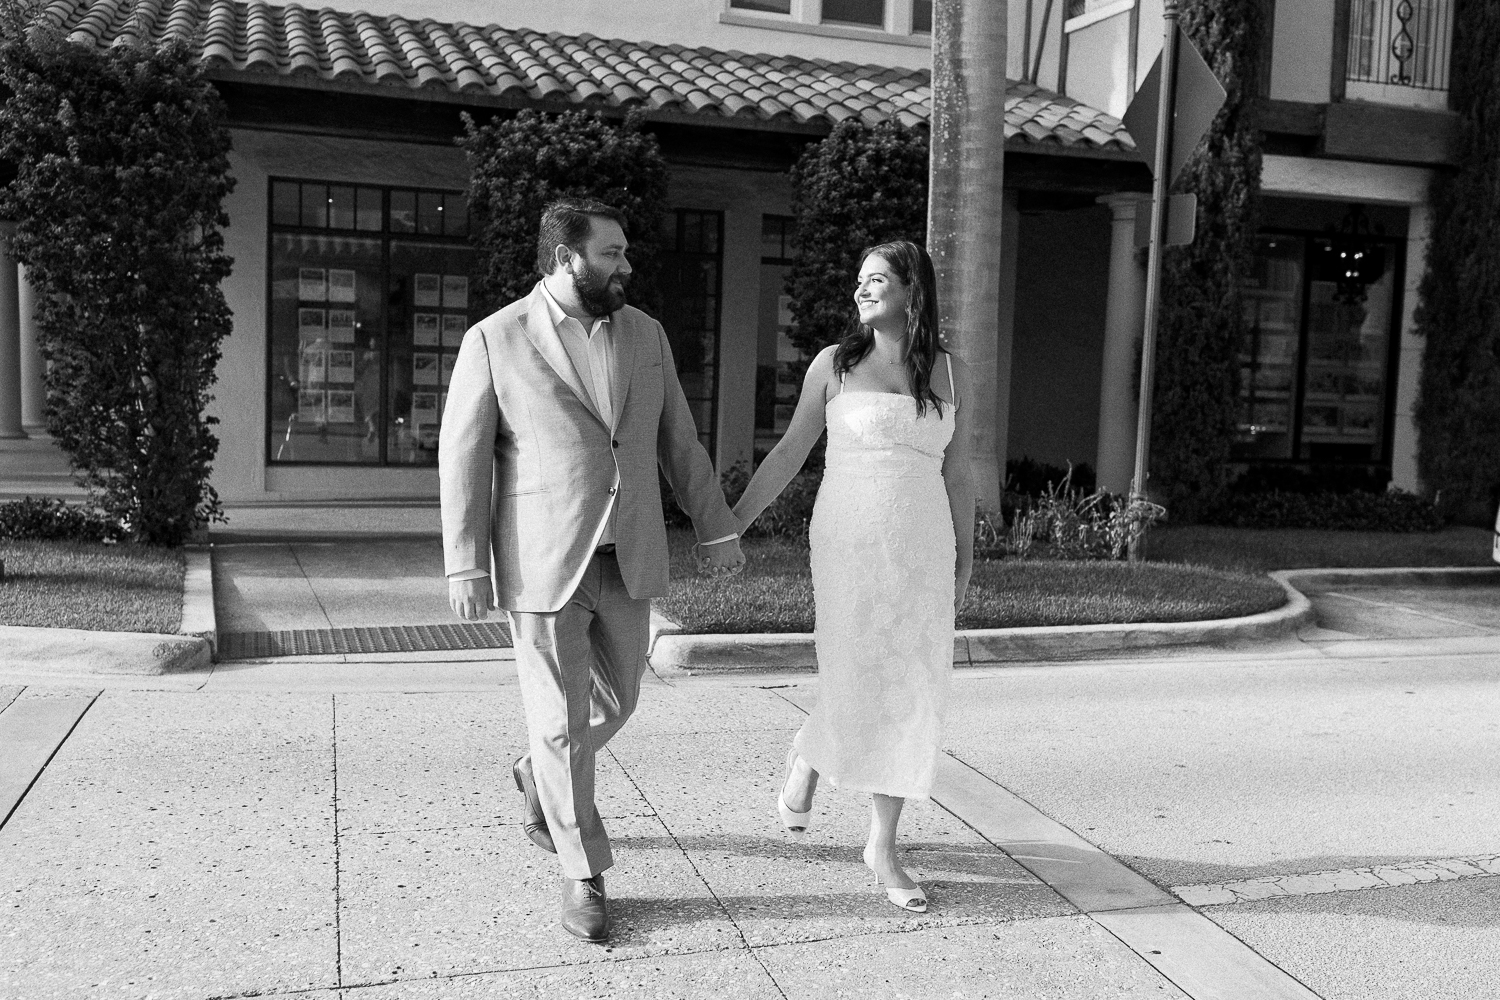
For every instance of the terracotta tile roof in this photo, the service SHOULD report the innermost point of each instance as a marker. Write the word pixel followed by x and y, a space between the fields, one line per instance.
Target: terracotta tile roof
pixel 522 66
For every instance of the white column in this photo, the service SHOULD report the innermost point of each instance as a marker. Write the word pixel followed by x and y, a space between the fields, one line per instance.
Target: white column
pixel 33 394
pixel 10 339
pixel 1409 368
pixel 1124 324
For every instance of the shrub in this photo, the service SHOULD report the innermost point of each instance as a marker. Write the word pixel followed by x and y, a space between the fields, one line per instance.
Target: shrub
pixel 518 165
pixel 48 520
pixel 1458 312
pixel 1358 510
pixel 121 170
pixel 862 185
pixel 1194 396
pixel 1063 523
pixel 788 515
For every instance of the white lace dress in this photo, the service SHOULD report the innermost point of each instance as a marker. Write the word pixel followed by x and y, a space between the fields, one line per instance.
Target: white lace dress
pixel 883 559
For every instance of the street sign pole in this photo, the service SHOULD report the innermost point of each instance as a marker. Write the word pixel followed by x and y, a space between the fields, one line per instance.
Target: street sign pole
pixel 1160 183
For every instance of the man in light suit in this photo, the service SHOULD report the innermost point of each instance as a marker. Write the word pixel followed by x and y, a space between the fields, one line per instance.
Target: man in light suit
pixel 561 407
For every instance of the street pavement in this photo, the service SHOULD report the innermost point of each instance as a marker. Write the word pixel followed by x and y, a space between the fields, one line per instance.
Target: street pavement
pixel 344 826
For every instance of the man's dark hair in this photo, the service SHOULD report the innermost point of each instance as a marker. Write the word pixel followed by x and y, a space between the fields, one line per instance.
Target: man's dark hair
pixel 566 223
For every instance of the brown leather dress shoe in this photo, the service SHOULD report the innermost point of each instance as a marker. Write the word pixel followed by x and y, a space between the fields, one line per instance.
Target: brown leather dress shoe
pixel 533 822
pixel 585 911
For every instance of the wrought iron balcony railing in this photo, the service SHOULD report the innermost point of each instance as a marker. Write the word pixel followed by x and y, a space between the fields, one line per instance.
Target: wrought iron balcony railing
pixel 1400 43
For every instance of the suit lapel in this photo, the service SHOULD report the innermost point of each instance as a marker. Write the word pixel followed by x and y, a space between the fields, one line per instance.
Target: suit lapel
pixel 619 388
pixel 537 326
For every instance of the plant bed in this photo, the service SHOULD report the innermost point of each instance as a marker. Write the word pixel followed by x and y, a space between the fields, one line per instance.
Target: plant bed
pixel 774 593
pixel 118 588
pixel 1258 550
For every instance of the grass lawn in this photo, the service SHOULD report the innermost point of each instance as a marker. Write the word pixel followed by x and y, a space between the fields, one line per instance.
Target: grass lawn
pixel 1259 550
pixel 774 594
pixel 120 588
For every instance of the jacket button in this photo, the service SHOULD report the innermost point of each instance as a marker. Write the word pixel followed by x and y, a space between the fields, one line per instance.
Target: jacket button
pixel 615 443
pixel 611 491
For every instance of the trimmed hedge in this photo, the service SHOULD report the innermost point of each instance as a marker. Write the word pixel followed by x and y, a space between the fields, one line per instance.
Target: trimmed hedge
pixel 1396 510
pixel 1201 326
pixel 862 185
pixel 47 520
pixel 122 167
pixel 519 165
pixel 1458 313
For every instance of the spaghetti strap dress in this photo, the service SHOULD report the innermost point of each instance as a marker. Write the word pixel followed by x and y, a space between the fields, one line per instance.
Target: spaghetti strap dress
pixel 883 570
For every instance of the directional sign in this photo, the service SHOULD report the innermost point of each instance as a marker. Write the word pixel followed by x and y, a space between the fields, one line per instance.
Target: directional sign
pixel 1199 98
pixel 1182 221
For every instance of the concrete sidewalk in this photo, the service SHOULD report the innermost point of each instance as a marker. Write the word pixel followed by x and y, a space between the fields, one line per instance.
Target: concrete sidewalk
pixel 211 838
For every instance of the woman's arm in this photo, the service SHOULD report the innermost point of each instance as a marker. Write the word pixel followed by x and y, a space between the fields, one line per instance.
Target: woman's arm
pixel 958 477
pixel 786 459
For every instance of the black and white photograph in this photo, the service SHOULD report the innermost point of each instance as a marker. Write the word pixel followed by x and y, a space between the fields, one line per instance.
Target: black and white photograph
pixel 755 499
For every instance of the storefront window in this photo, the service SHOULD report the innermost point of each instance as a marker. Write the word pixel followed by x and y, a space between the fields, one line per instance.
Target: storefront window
pixel 1315 366
pixel 363 324
pixel 691 269
pixel 779 364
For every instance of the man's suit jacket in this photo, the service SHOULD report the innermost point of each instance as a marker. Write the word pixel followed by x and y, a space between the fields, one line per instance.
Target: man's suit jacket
pixel 528 467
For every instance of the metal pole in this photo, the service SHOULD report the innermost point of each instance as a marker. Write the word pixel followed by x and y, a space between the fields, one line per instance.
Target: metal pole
pixel 1159 185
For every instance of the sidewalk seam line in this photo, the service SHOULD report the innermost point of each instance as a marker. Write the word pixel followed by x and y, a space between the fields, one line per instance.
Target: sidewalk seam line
pixel 749 949
pixel 1194 911
pixel 308 580
pixel 48 762
pixel 338 867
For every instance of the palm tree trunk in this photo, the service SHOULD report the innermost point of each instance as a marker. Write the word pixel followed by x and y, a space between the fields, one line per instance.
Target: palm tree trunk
pixel 965 211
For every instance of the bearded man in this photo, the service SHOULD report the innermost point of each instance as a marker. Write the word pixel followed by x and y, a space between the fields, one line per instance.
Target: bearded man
pixel 561 408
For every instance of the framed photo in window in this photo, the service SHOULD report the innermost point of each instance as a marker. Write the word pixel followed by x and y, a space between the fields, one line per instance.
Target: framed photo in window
pixel 340 285
pixel 454 325
pixel 424 329
pixel 424 369
pixel 427 290
pixel 341 326
pixel 312 284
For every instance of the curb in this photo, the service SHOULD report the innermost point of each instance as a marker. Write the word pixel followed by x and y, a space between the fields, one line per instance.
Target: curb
pixel 1444 576
pixel 86 651
pixel 672 652
pixel 198 618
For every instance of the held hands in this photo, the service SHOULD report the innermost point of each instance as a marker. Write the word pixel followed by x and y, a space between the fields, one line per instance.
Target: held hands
pixel 719 559
pixel 471 599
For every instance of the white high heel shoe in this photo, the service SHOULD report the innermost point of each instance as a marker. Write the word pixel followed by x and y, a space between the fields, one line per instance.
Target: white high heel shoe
pixel 913 899
pixel 796 823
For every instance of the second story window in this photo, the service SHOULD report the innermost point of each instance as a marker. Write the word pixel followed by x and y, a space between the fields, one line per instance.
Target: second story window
pixel 763 6
pixel 904 22
pixel 867 13
pixel 1398 51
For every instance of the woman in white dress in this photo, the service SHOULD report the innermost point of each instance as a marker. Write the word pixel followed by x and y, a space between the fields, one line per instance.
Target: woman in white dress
pixel 892 548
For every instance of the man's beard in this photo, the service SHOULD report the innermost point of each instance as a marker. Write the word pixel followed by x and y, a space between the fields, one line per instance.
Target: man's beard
pixel 597 290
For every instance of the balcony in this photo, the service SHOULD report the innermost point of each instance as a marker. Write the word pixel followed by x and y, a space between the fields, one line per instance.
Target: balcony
pixel 1398 52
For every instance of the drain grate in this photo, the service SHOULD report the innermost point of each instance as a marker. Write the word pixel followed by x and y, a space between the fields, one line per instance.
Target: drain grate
pixel 381 639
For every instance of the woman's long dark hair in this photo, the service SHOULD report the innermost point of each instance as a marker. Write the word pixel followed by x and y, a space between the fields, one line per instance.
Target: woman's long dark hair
pixel 913 267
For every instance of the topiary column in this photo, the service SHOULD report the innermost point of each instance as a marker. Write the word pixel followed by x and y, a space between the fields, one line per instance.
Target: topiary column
pixel 122 168
pixel 862 185
pixel 1458 404
pixel 1193 414
pixel 518 165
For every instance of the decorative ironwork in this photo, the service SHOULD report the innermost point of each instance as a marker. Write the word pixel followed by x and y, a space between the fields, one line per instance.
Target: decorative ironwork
pixel 1402 43
pixel 1402 46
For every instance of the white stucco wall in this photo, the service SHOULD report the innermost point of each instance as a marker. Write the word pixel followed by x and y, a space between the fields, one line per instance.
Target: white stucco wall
pixel 679 22
pixel 1301 61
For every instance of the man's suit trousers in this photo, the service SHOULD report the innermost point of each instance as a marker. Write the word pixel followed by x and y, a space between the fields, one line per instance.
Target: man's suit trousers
pixel 580 670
